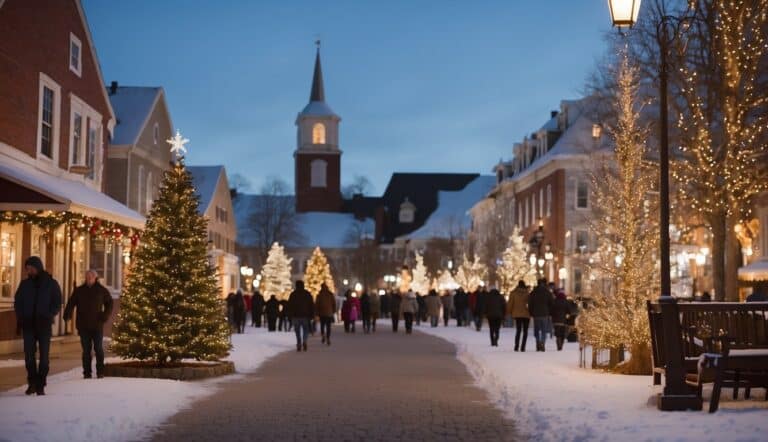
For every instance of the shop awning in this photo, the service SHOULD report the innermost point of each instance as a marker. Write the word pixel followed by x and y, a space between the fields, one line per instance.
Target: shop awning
pixel 755 272
pixel 25 188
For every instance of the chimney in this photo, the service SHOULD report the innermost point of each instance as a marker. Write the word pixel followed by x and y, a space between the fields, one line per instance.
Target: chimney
pixel 553 114
pixel 113 88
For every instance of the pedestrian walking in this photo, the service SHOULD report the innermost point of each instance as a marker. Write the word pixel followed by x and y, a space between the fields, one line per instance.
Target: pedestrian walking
pixel 36 302
pixel 479 312
pixel 365 312
pixel 231 310
pixel 94 307
pixel 257 308
pixel 539 306
pixel 239 312
pixel 385 309
pixel 558 313
pixel 517 308
pixel 409 308
pixel 350 311
pixel 447 303
pixel 395 303
pixel 375 303
pixel 325 307
pixel 433 304
pixel 460 305
pixel 302 309
pixel 421 312
pixel 495 308
pixel 282 316
pixel 272 310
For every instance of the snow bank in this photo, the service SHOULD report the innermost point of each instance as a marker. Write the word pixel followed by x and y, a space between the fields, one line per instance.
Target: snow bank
pixel 119 409
pixel 551 399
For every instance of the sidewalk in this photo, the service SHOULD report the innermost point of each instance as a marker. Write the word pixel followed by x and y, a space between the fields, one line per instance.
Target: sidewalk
pixel 65 355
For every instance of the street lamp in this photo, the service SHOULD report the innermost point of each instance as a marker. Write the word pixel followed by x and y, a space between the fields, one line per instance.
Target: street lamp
pixel 624 12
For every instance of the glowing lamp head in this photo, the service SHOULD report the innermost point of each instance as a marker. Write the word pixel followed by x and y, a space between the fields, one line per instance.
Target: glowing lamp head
pixel 624 12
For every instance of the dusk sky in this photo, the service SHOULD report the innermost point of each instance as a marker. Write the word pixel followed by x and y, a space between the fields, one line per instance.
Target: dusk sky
pixel 421 86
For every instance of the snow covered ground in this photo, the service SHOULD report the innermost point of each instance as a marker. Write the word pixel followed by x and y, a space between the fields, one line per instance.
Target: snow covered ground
pixel 551 399
pixel 119 409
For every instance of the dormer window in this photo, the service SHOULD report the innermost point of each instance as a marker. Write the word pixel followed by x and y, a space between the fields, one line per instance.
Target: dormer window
pixel 318 133
pixel 407 212
pixel 75 55
pixel 318 173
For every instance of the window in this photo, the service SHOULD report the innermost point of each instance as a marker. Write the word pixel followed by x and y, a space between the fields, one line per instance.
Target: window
pixel 49 115
pixel 407 212
pixel 549 200
pixel 85 138
pixel 533 208
pixel 140 184
pixel 77 137
pixel 541 203
pixel 318 133
pixel 90 154
pixel 155 133
pixel 75 55
pixel 9 272
pixel 519 215
pixel 318 173
pixel 582 240
pixel 576 281
pixel 105 260
pixel 148 190
pixel 582 195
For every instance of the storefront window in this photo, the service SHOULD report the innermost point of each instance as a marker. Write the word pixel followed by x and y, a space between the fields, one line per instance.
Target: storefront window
pixel 8 262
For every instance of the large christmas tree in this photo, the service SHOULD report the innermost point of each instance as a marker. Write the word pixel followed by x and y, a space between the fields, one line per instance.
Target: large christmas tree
pixel 276 273
pixel 170 309
pixel 318 272
pixel 420 283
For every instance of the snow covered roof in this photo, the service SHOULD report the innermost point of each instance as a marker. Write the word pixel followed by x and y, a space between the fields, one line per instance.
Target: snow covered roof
pixel 324 229
pixel 452 214
pixel 205 178
pixel 71 195
pixel 132 105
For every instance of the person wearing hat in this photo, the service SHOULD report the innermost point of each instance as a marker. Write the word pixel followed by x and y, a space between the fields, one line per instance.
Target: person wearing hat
pixel 36 303
pixel 94 307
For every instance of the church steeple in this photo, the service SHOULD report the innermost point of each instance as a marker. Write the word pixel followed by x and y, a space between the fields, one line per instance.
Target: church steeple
pixel 318 91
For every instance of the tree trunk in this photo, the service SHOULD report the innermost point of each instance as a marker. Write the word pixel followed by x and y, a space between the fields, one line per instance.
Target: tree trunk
pixel 733 260
pixel 718 256
pixel 639 362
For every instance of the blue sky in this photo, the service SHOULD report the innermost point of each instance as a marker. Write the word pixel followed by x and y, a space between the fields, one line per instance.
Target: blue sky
pixel 420 85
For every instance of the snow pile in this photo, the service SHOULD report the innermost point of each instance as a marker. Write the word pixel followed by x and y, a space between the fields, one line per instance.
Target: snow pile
pixel 119 409
pixel 550 399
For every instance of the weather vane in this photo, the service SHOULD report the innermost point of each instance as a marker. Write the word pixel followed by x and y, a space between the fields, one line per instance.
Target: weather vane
pixel 317 42
pixel 177 144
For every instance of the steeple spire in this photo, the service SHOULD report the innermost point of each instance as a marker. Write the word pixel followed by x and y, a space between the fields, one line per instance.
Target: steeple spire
pixel 318 91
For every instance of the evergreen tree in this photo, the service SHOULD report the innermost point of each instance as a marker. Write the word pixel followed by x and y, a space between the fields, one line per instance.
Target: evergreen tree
pixel 420 283
pixel 276 273
pixel 318 272
pixel 171 309
pixel 515 264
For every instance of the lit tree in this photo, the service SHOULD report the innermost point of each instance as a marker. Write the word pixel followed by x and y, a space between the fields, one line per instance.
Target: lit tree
pixel 445 281
pixel 515 265
pixel 420 283
pixel 471 273
pixel 723 124
pixel 170 308
pixel 318 272
pixel 625 226
pixel 276 273
pixel 405 280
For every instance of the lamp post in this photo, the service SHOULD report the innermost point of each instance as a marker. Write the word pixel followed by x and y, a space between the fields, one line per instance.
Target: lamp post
pixel 536 242
pixel 677 394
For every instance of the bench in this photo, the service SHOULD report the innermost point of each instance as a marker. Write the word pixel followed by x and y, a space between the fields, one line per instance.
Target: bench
pixel 724 343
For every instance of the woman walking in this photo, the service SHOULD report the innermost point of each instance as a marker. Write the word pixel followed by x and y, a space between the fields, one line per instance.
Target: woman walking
pixel 350 310
pixel 517 308
pixel 495 307
pixel 559 312
pixel 433 304
pixel 409 308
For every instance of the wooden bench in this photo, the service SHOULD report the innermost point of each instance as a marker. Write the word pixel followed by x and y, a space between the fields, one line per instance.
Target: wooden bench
pixel 695 343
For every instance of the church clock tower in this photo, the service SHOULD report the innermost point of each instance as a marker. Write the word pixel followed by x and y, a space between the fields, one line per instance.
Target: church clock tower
pixel 317 156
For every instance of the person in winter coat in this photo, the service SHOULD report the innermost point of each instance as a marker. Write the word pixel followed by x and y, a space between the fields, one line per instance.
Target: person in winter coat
pixel 409 307
pixel 283 319
pixel 461 304
pixel 36 302
pixel 539 306
pixel 272 310
pixel 395 303
pixel 257 308
pixel 375 302
pixel 94 307
pixel 421 313
pixel 239 312
pixel 432 304
pixel 302 309
pixel 517 309
pixel 350 311
pixel 559 312
pixel 231 309
pixel 365 310
pixel 471 306
pixel 479 312
pixel 495 307
pixel 447 302
pixel 385 309
pixel 325 307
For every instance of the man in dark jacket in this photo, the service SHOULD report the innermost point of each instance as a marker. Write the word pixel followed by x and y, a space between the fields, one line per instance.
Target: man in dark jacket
pixel 302 309
pixel 539 305
pixel 325 307
pixel 495 307
pixel 36 303
pixel 94 307
pixel 482 295
pixel 394 307
pixel 272 310
pixel 460 304
pixel 257 308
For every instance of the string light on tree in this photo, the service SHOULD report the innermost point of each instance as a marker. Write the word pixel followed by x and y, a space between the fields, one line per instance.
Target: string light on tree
pixel 318 272
pixel 276 273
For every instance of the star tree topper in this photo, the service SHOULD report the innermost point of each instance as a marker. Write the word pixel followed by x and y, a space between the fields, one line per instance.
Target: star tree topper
pixel 177 144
